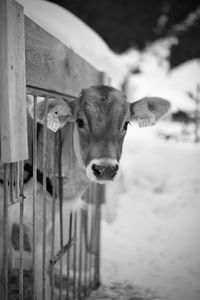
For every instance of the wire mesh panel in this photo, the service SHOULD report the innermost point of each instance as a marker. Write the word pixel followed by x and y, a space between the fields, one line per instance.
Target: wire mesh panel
pixel 47 251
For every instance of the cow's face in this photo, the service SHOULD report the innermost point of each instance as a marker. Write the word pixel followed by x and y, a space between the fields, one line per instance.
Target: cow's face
pixel 101 116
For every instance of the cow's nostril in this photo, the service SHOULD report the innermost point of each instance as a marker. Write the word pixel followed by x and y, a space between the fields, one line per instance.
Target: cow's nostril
pixel 116 168
pixel 97 170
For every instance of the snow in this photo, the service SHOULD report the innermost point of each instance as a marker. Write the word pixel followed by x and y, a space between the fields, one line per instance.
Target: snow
pixel 78 36
pixel 154 241
pixel 157 79
pixel 187 75
pixel 171 85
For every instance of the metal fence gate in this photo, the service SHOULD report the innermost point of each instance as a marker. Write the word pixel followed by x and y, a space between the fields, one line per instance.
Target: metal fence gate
pixel 31 189
pixel 74 265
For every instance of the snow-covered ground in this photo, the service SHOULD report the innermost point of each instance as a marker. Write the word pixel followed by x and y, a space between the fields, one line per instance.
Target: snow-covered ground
pixel 150 235
pixel 154 241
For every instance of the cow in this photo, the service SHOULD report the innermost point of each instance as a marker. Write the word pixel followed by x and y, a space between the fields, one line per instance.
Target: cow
pixel 97 124
pixel 93 128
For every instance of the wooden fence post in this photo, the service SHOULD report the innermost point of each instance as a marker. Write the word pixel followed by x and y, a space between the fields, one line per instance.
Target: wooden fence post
pixel 13 119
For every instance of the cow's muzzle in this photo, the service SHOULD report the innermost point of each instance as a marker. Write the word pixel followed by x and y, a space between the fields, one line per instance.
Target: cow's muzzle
pixel 102 170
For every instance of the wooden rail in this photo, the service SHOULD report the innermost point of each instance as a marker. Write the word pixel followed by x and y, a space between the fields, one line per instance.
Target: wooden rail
pixel 13 121
pixel 50 65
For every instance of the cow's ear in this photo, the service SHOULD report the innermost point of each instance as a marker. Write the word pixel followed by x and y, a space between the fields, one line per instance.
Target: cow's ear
pixel 147 111
pixel 59 112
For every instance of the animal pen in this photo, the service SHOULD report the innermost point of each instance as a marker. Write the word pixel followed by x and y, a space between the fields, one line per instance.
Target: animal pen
pixel 34 62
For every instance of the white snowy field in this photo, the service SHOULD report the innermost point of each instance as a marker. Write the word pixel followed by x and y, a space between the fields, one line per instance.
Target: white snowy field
pixel 154 240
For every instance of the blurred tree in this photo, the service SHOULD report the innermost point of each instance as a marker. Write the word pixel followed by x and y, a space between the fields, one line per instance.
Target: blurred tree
pixel 195 97
pixel 181 116
pixel 135 23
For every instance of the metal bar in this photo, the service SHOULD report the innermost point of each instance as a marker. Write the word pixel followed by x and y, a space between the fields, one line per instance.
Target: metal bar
pixel 95 234
pixel 92 199
pixel 75 253
pixel 89 237
pixel 43 93
pixel 99 195
pixel 5 232
pixel 68 255
pixel 14 180
pixel 80 257
pixel 62 251
pixel 11 183
pixel 95 193
pixel 21 230
pixel 53 215
pixel 34 195
pixel 44 154
pixel 17 181
pixel 60 208
pixel 86 252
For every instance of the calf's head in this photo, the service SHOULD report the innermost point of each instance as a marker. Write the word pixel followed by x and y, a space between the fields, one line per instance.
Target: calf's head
pixel 101 116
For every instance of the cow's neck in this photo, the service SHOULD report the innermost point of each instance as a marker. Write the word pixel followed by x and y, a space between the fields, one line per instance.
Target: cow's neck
pixel 75 181
pixel 74 174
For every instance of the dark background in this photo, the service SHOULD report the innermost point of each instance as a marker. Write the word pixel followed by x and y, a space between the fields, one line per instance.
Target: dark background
pixel 135 23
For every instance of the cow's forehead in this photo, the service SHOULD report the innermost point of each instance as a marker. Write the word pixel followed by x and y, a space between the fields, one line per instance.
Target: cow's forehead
pixel 102 99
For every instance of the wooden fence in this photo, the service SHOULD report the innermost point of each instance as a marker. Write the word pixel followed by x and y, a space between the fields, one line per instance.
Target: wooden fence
pixel 34 62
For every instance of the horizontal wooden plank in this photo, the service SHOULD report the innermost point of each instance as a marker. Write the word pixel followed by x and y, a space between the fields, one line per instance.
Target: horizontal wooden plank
pixel 50 65
pixel 13 122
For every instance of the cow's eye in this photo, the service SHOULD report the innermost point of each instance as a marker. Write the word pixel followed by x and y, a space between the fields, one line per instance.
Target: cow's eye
pixel 80 123
pixel 126 125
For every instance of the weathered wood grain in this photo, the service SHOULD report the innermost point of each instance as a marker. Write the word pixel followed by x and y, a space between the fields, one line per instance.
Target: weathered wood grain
pixel 50 65
pixel 13 121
